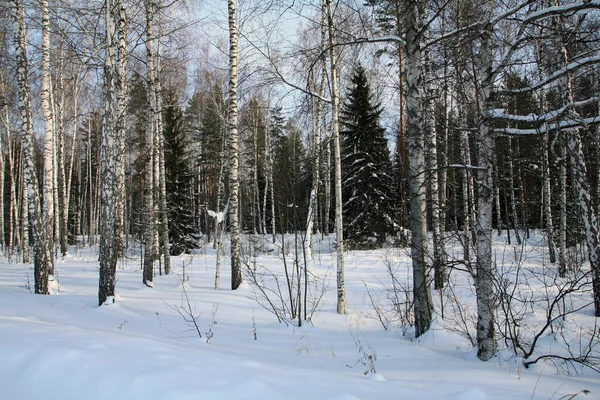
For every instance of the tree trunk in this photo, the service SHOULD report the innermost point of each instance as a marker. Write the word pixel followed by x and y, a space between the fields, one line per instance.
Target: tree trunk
pixel 49 146
pixel 317 126
pixel 149 184
pixel 341 291
pixel 486 327
pixel 423 305
pixel 234 184
pixel 439 245
pixel 467 190
pixel 513 192
pixel 121 114
pixel 31 196
pixel 108 254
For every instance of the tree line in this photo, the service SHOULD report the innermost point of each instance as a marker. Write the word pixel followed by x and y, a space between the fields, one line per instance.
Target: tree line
pixel 112 137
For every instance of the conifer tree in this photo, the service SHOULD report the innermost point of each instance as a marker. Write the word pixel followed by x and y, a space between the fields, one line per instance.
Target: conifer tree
pixel 366 166
pixel 183 232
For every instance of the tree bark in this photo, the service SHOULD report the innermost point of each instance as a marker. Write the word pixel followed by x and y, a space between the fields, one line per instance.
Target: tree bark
pixel 31 197
pixel 423 304
pixel 108 255
pixel 234 184
pixel 486 327
pixel 341 291
pixel 149 183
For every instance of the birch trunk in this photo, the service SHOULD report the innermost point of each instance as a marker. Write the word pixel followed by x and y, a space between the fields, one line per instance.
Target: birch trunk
pixel 562 229
pixel 423 305
pixel 234 184
pixel 49 146
pixel 439 245
pixel 547 199
pixel 121 114
pixel 513 192
pixel 588 214
pixel 149 184
pixel 164 232
pixel 42 256
pixel 486 327
pixel 465 150
pixel 108 254
pixel 317 133
pixel 339 232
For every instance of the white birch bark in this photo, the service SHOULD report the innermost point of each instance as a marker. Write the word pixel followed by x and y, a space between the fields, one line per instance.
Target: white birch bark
pixel 31 207
pixel 234 184
pixel 439 245
pixel 149 183
pixel 108 254
pixel 465 150
pixel 164 232
pixel 49 146
pixel 423 305
pixel 513 193
pixel 339 231
pixel 317 126
pixel 121 115
pixel 484 283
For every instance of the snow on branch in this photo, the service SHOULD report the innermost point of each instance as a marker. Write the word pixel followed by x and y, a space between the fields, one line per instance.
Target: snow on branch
pixel 561 10
pixel 555 126
pixel 553 115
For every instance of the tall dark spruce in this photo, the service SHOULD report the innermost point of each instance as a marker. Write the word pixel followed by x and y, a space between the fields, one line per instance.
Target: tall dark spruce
pixel 366 168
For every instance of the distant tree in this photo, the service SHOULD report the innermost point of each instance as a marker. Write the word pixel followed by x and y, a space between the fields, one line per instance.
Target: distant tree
pixel 366 166
pixel 291 187
pixel 183 231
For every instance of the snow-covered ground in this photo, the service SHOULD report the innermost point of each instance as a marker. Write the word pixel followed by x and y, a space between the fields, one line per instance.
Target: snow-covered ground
pixel 65 347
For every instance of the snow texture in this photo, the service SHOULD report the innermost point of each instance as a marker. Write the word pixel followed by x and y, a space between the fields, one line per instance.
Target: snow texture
pixel 65 347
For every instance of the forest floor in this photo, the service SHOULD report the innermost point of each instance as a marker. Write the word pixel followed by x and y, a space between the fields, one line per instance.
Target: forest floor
pixel 145 346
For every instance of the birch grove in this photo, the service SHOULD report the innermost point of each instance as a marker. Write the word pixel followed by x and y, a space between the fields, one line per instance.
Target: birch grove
pixel 129 128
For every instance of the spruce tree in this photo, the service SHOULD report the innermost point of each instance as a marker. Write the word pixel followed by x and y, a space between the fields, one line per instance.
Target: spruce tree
pixel 183 232
pixel 366 168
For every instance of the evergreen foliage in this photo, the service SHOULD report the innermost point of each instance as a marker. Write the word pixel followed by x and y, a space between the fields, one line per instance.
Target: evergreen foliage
pixel 183 231
pixel 366 168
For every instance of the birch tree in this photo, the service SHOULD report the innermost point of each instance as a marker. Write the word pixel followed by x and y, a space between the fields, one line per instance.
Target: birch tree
pixel 49 145
pixel 234 185
pixel 339 230
pixel 42 254
pixel 108 252
pixel 150 242
pixel 414 21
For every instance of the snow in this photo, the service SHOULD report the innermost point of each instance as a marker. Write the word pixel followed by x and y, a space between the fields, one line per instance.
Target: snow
pixel 65 347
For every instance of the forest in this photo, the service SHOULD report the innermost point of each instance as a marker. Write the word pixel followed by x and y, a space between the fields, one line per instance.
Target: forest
pixel 158 128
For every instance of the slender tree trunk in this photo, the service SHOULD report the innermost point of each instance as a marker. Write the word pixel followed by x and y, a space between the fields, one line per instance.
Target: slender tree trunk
pixel 121 114
pixel 431 158
pixel 149 187
pixel 465 150
pixel 496 179
pixel 109 197
pixel 49 146
pixel 486 327
pixel 317 133
pixel 513 192
pixel 31 196
pixel 423 304
pixel 327 184
pixel 234 184
pixel 341 291
pixel 164 231
pixel 562 229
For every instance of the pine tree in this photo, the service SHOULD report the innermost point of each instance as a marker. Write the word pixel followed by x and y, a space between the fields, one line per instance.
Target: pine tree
pixel 366 166
pixel 183 232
